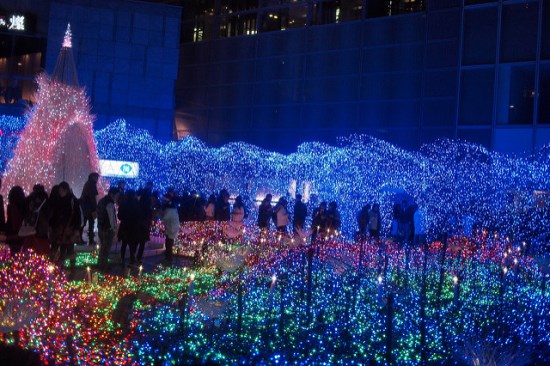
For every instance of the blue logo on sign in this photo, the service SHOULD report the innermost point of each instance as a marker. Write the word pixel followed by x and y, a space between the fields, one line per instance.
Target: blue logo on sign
pixel 126 168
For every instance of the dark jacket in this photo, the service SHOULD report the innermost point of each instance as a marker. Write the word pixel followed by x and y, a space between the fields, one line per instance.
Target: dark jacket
pixel 131 218
pixel 88 198
pixel 300 213
pixel 65 220
pixel 103 220
pixel 146 214
pixel 264 214
pixel 2 215
pixel 15 219
pixel 222 212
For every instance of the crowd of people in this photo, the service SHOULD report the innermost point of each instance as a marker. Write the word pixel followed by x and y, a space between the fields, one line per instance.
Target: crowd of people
pixel 53 223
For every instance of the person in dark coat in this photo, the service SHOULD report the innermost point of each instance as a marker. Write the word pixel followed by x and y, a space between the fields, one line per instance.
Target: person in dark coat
pixel 333 218
pixel 129 214
pixel 2 214
pixel 319 220
pixel 375 221
pixel 223 212
pixel 17 210
pixel 37 215
pixel 107 225
pixel 65 220
pixel 88 202
pixel 363 220
pixel 265 211
pixel 146 199
pixel 300 214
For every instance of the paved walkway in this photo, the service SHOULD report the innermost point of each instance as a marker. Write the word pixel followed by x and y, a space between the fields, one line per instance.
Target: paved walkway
pixel 153 257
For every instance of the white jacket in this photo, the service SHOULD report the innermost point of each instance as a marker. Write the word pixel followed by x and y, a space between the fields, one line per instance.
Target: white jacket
pixel 171 221
pixel 282 217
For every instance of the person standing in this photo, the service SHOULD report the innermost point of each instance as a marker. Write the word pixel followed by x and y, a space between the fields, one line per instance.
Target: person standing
pixel 319 220
pixel 171 221
pixel 300 214
pixel 397 228
pixel 2 214
pixel 210 208
pixel 88 202
pixel 375 221
pixel 420 226
pixel 129 214
pixel 65 221
pixel 17 209
pixel 146 212
pixel 237 215
pixel 265 212
pixel 222 206
pixel 281 214
pixel 363 220
pixel 121 187
pixel 37 216
pixel 107 225
pixel 333 217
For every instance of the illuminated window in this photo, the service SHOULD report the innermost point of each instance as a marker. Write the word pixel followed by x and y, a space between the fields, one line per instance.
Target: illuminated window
pixel 326 12
pixel 20 62
pixel 237 25
pixel 232 6
pixel 285 18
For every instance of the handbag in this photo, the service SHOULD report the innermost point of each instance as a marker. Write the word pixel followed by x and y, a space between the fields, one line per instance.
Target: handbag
pixel 27 228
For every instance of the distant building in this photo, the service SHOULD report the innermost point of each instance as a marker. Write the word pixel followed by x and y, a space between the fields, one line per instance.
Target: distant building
pixel 276 73
pixel 126 54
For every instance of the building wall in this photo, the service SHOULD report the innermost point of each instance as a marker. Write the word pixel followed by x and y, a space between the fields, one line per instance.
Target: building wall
pixel 126 54
pixel 479 71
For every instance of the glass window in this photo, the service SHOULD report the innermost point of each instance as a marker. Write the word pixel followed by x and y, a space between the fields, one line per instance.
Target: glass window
pixel 544 94
pixel 281 19
pixel 480 36
pixel 203 28
pixel 545 46
pixel 381 8
pixel 516 94
pixel 268 3
pixel 196 8
pixel 232 6
pixel 238 25
pixel 469 2
pixel 519 32
pixel 20 60
pixel 335 11
pixel 476 96
pixel 377 8
pixel 351 10
pixel 326 12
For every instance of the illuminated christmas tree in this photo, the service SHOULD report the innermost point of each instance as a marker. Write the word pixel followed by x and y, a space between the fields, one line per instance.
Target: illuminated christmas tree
pixel 58 141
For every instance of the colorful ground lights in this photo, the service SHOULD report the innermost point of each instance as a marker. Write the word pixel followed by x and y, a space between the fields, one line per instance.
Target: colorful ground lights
pixel 457 301
pixel 256 297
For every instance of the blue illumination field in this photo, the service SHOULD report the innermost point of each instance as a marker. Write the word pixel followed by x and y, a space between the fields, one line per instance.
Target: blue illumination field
pixel 337 301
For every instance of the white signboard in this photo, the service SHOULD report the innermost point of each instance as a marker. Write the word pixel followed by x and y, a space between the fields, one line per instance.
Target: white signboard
pixel 14 22
pixel 115 168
